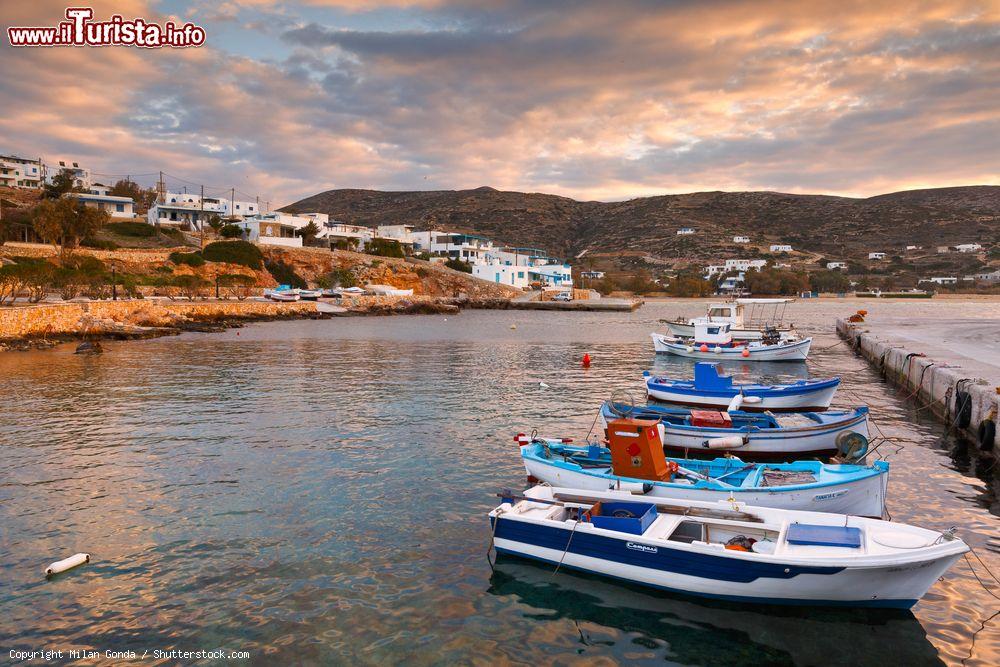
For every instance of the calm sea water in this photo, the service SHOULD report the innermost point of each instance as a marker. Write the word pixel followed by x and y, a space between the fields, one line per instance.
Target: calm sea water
pixel 315 492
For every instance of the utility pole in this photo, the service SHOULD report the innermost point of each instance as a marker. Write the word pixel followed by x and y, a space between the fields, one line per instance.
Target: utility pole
pixel 161 197
pixel 232 204
pixel 201 218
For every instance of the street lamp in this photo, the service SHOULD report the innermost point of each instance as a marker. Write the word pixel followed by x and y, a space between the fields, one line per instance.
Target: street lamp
pixel 114 284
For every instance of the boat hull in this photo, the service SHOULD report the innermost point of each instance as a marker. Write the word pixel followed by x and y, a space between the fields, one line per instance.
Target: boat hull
pixel 879 587
pixel 686 330
pixel 814 401
pixel 797 351
pixel 816 440
pixel 860 497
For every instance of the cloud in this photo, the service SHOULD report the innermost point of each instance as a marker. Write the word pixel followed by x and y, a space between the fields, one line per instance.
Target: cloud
pixel 587 99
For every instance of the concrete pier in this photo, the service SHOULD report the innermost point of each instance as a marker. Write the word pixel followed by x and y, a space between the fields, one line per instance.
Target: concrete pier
pixel 952 367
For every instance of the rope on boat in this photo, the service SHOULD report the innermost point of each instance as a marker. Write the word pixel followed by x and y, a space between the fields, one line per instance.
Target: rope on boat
pixel 976 574
pixel 493 533
pixel 568 542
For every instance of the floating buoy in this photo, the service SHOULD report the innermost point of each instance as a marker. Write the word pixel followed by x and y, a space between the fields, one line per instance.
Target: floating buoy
pixel 543 385
pixel 67 564
pixel 717 350
pixel 703 348
pixel 586 359
pixel 689 348
pixel 746 352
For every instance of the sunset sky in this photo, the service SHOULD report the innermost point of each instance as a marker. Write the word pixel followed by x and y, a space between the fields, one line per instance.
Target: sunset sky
pixel 593 100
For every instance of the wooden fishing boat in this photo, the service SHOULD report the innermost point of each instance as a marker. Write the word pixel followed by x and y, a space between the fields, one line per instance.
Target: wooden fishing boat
pixel 753 436
pixel 749 319
pixel 709 389
pixel 726 550
pixel 803 485
pixel 283 293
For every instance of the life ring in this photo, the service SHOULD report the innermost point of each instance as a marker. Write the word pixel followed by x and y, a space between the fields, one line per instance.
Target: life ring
pixel 987 435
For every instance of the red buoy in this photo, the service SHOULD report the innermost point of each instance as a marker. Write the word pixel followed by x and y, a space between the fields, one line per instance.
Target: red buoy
pixel 586 360
pixel 704 347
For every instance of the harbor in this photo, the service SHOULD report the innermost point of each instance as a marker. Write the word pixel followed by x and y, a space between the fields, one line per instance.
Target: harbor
pixel 228 479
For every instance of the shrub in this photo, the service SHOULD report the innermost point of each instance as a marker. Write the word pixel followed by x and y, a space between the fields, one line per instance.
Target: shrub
pixel 234 252
pixel 231 231
pixel 459 265
pixel 171 232
pixel 344 244
pixel 190 286
pixel 385 248
pixel 188 258
pixel 341 278
pixel 134 229
pixel 284 274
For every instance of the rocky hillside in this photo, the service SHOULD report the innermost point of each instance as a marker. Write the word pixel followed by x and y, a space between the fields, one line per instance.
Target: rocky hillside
pixel 645 229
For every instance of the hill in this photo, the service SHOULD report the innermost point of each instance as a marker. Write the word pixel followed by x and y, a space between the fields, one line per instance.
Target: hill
pixel 643 231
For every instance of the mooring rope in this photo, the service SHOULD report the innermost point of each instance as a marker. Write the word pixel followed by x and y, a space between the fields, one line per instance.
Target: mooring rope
pixel 568 542
pixel 493 533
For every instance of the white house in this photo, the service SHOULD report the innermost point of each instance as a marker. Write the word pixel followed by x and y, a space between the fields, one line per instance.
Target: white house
pixel 81 176
pixel 549 276
pixel 192 210
pixel 914 247
pixel 270 230
pixel 713 269
pixel 745 264
pixel 941 280
pixel 100 189
pixel 19 172
pixel 684 231
pixel 592 275
pixel 781 248
pixel 876 255
pixel 968 247
pixel 991 277
pixel 836 265
pixel 356 235
pixel 469 248
pixel 741 239
pixel 117 207
pixel 402 234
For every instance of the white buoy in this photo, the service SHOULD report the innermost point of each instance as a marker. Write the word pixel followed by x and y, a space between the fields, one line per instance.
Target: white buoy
pixel 67 564
pixel 718 350
pixel 729 442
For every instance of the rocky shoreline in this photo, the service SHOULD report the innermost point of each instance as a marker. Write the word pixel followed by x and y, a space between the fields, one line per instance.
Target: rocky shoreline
pixel 46 325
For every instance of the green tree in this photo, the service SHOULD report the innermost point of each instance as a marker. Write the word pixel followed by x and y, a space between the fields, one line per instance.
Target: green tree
pixel 62 183
pixel 215 222
pixel 231 231
pixel 64 222
pixel 309 232
pixel 829 281
pixel 143 197
pixel 236 284
pixel 459 265
pixel 191 286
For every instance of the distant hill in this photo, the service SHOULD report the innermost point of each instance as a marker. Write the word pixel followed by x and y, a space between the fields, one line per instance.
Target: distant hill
pixel 644 230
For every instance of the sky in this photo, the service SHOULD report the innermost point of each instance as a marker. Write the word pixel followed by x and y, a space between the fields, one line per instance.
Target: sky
pixel 604 100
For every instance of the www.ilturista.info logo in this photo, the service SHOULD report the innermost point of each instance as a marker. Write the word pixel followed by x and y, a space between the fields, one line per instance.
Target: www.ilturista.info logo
pixel 79 30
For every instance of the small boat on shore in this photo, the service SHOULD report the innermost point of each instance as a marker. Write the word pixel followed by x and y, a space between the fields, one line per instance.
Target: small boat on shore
pixel 803 485
pixel 310 294
pixel 715 341
pixel 749 319
pixel 283 293
pixel 727 549
pixel 753 436
pixel 709 389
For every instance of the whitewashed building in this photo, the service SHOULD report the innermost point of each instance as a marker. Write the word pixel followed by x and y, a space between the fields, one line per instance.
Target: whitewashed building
pixel 19 172
pixel 684 231
pixel 741 239
pixel 836 265
pixel 713 269
pixel 941 280
pixel 781 247
pixel 116 207
pixel 470 248
pixel 81 175
pixel 968 247
pixel 191 210
pixel 745 264
pixel 876 255
pixel 272 229
pixel 592 275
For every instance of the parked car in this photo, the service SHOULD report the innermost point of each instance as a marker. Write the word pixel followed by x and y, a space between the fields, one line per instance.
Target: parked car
pixel 563 296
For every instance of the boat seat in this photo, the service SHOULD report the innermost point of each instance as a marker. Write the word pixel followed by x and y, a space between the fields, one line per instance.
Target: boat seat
pixel 807 534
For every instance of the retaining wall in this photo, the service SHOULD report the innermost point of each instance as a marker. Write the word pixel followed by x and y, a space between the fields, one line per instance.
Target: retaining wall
pixel 969 404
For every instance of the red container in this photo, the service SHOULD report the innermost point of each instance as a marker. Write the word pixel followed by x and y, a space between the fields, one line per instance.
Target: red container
pixel 711 419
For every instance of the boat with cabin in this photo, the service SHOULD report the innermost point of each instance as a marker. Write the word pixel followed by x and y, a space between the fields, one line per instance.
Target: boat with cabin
pixel 725 549
pixel 748 319
pixel 716 341
pixel 711 389
pixel 758 436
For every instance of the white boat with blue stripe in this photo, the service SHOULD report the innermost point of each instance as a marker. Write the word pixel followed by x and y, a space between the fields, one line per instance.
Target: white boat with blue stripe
pixel 726 550
pixel 715 341
pixel 709 389
pixel 754 436
pixel 802 485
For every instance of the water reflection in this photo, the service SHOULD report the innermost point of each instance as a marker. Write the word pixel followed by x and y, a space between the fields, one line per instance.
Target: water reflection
pixel 707 632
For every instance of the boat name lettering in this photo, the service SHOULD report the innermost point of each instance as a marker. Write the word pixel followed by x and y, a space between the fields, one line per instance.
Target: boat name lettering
pixel 829 496
pixel 627 435
pixel 641 547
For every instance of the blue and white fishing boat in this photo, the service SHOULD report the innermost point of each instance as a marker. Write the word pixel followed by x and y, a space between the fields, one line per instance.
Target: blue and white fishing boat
pixel 715 341
pixel 726 550
pixel 710 390
pixel 282 293
pixel 804 485
pixel 753 436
